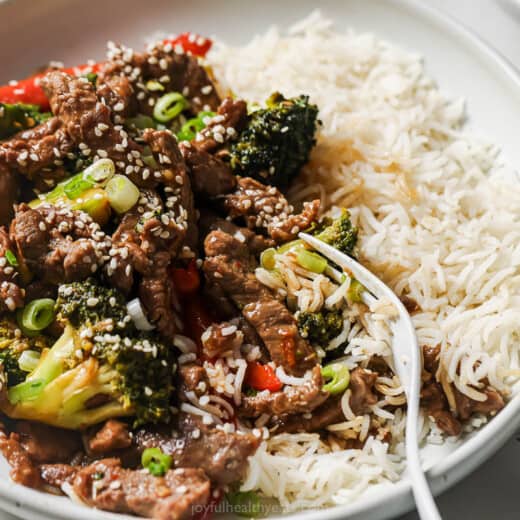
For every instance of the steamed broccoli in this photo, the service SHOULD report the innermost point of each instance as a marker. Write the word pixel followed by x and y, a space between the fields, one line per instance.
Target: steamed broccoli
pixel 320 327
pixel 339 233
pixel 14 118
pixel 277 141
pixel 12 347
pixel 100 367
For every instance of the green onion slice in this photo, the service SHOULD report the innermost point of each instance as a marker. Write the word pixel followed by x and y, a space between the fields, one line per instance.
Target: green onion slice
pixel 141 122
pixel 354 292
pixel 337 376
pixel 155 461
pixel 311 261
pixel 267 260
pixel 76 186
pixel 11 258
pixel 169 106
pixel 38 314
pixel 293 244
pixel 190 129
pixel 29 360
pixel 122 193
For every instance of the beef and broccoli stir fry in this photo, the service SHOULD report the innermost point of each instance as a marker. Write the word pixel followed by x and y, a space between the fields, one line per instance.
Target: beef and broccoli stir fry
pixel 158 314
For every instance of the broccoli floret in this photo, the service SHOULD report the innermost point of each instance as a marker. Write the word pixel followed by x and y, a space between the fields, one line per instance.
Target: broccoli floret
pixel 277 140
pixel 12 345
pixel 320 327
pixel 14 118
pixel 339 233
pixel 89 304
pixel 101 367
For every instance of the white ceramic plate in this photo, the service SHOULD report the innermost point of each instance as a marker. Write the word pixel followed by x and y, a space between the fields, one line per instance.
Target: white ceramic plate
pixel 74 30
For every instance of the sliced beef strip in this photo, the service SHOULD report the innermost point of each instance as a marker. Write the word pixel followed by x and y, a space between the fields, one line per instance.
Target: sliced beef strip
pixel 221 338
pixel 55 475
pixel 117 92
pixel 292 399
pixel 191 378
pixel 156 294
pixel 47 444
pixel 58 244
pixel 436 405
pixel 221 455
pixel 106 485
pixel 228 123
pixel 362 386
pixel 9 191
pixel 38 154
pixel 466 407
pixel 265 208
pixel 210 176
pixel 11 294
pixel 329 412
pixel 113 435
pixel 88 123
pixel 23 470
pixel 274 323
pixel 176 72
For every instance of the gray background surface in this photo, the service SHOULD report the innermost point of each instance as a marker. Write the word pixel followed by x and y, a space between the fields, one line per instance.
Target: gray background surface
pixel 492 492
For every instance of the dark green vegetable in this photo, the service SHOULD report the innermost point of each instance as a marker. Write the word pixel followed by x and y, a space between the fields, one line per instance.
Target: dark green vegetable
pixel 245 503
pixel 101 367
pixel 155 461
pixel 12 345
pixel 277 140
pixel 14 118
pixel 339 233
pixel 320 327
pixel 92 77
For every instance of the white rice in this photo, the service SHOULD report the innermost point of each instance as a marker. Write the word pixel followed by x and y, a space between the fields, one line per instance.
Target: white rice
pixel 439 221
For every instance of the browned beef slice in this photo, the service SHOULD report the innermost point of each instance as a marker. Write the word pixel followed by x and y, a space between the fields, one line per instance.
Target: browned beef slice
pixel 180 209
pixel 436 405
pixel 87 121
pixel 106 485
pixel 58 245
pixel 117 92
pixel 192 378
pixel 57 474
pixel 222 456
pixel 292 399
pixel 264 207
pixel 112 436
pixel 156 294
pixel 328 413
pixel 362 386
pixel 176 72
pixel 11 294
pixel 38 153
pixel 230 119
pixel 274 323
pixel 210 176
pixel 23 469
pixel 47 444
pixel 466 407
pixel 9 191
pixel 221 338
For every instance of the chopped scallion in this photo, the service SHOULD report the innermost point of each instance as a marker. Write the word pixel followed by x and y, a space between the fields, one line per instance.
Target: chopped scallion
pixel 155 461
pixel 169 106
pixel 337 376
pixel 311 261
pixel 122 193
pixel 38 314
pixel 11 258
pixel 267 260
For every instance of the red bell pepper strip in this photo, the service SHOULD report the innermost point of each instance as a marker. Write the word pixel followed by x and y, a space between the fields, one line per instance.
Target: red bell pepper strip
pixel 29 91
pixel 196 318
pixel 186 281
pixel 262 377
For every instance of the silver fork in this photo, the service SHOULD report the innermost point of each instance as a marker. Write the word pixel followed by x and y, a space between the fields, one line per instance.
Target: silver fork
pixel 407 361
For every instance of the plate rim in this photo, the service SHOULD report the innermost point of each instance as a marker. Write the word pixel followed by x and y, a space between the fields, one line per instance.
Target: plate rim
pixel 394 499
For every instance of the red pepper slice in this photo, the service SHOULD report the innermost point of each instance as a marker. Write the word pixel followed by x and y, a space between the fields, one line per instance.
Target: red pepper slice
pixel 262 377
pixel 186 281
pixel 192 43
pixel 28 90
